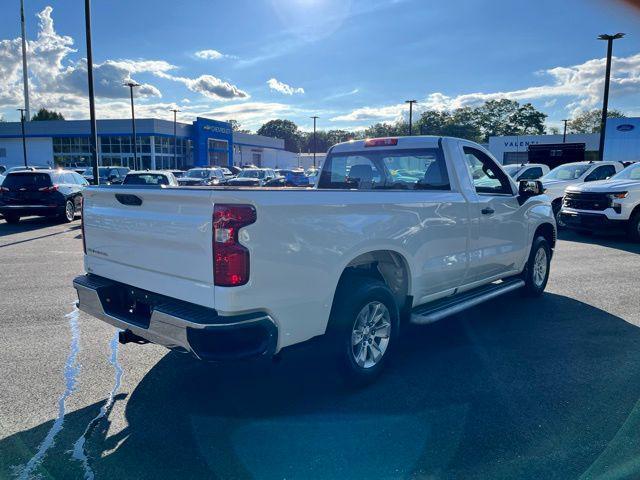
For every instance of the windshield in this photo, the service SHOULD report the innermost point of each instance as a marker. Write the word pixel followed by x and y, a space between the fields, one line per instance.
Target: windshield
pixel 632 172
pixel 199 173
pixel 512 170
pixel 251 174
pixel 567 172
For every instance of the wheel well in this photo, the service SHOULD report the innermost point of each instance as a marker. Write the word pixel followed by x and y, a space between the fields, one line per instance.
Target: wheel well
pixel 388 266
pixel 548 232
pixel 634 211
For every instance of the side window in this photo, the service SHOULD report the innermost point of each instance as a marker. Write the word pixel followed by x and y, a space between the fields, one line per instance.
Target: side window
pixel 601 173
pixel 80 180
pixel 69 179
pixel 531 174
pixel 487 177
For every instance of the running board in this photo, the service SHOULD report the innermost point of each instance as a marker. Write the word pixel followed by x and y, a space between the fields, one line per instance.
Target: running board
pixel 432 312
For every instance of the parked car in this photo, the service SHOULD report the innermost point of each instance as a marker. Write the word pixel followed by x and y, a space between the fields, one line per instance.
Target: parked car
pixel 236 273
pixel 612 204
pixel 107 175
pixel 235 170
pixel 203 176
pixel 557 180
pixel 228 174
pixel 176 173
pixel 30 168
pixel 48 193
pixel 150 177
pixel 252 177
pixel 3 169
pixel 294 178
pixel 312 175
pixel 526 171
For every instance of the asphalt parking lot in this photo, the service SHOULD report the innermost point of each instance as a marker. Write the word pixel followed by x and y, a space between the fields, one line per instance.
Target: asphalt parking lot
pixel 516 388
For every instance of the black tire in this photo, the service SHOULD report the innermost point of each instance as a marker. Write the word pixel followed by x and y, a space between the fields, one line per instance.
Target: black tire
pixel 69 212
pixel 12 219
pixel 633 227
pixel 353 296
pixel 535 280
pixel 556 206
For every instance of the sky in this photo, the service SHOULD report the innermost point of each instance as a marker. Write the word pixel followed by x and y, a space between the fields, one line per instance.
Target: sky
pixel 350 62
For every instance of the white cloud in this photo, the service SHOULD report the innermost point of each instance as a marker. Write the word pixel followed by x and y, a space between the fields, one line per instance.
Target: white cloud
pixel 209 54
pixel 283 88
pixel 209 86
pixel 580 85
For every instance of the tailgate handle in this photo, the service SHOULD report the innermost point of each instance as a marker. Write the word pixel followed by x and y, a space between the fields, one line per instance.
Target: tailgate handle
pixel 127 199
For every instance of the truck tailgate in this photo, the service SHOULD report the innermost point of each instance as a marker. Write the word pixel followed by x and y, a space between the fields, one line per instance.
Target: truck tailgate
pixel 151 238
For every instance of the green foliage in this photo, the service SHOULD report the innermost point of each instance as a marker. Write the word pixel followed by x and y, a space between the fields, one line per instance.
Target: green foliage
pixel 44 114
pixel 285 129
pixel 236 127
pixel 589 122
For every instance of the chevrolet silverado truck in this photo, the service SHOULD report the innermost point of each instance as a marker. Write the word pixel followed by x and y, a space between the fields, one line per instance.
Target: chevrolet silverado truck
pixel 557 180
pixel 396 230
pixel 612 204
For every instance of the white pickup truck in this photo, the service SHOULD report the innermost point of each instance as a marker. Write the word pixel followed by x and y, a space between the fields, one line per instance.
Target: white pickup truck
pixel 612 204
pixel 395 230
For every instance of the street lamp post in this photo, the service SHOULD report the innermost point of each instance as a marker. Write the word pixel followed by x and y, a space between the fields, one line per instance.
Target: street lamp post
pixel 175 138
pixel 315 117
pixel 410 102
pixel 131 85
pixel 564 135
pixel 93 140
pixel 24 138
pixel 607 78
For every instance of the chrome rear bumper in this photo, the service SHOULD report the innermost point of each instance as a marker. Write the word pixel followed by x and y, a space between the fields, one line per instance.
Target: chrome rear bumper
pixel 176 324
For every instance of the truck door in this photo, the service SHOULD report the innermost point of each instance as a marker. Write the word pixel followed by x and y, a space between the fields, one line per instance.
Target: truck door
pixel 499 232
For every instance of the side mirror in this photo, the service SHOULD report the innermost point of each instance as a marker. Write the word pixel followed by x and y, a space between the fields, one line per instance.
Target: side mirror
pixel 530 188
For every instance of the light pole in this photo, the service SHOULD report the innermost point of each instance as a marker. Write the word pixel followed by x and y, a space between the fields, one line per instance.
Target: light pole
pixel 93 140
pixel 564 135
pixel 24 139
pixel 410 102
pixel 607 78
pixel 315 117
pixel 131 85
pixel 25 75
pixel 175 138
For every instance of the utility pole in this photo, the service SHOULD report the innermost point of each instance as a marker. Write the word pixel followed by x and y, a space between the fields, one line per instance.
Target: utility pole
pixel 131 85
pixel 93 140
pixel 175 138
pixel 25 75
pixel 410 102
pixel 315 117
pixel 607 78
pixel 24 138
pixel 564 135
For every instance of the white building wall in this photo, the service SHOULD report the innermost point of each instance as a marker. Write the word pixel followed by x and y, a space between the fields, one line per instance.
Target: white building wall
pixel 498 146
pixel 622 141
pixel 39 151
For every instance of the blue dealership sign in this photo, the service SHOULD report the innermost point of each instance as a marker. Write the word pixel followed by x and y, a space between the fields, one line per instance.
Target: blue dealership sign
pixel 213 142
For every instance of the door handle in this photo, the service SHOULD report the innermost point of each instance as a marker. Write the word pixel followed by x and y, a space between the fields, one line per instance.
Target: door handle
pixel 487 211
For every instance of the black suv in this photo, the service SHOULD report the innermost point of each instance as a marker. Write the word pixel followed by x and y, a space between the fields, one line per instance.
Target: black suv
pixel 47 193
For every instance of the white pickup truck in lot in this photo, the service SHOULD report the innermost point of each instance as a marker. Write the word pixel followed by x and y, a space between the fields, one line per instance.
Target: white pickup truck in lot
pixel 396 230
pixel 612 204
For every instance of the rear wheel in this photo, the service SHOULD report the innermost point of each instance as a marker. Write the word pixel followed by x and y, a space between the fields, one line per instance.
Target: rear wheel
pixel 12 219
pixel 364 326
pixel 633 228
pixel 536 273
pixel 69 212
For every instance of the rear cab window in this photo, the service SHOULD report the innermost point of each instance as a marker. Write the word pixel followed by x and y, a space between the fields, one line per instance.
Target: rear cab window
pixel 397 169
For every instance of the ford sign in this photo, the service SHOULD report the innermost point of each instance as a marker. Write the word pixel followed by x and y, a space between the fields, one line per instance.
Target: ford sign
pixel 625 127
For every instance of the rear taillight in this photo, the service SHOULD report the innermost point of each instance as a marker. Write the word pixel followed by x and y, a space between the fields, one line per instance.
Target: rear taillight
pixel 84 238
pixel 230 258
pixel 52 188
pixel 380 142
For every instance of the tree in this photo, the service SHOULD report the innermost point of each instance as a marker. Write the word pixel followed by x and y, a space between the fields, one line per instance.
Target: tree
pixel 589 121
pixel 526 120
pixel 44 114
pixel 387 130
pixel 284 129
pixel 460 123
pixel 236 127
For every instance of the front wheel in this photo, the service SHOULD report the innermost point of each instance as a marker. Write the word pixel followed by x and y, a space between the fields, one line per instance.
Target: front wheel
pixel 364 324
pixel 536 273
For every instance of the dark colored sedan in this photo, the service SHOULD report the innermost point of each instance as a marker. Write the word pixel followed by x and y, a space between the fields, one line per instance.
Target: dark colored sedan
pixel 47 193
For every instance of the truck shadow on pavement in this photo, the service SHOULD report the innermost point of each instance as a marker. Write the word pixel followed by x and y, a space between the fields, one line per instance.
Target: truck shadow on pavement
pixel 516 388
pixel 610 240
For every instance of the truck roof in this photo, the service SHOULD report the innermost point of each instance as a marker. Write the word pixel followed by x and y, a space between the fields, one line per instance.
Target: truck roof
pixel 388 143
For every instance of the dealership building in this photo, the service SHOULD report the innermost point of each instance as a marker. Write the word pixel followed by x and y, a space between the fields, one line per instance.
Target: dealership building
pixel 622 143
pixel 203 142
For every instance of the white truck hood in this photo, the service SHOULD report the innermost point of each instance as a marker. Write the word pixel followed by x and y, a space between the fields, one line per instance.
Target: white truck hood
pixel 603 186
pixel 555 188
